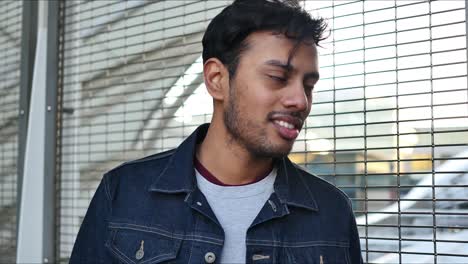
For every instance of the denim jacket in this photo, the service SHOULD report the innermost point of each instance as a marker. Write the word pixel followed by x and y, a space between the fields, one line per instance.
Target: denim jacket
pixel 151 211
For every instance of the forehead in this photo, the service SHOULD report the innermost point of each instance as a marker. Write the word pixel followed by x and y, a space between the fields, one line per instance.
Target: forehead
pixel 266 45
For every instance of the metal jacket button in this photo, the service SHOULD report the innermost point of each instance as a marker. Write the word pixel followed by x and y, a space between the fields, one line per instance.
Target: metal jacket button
pixel 210 257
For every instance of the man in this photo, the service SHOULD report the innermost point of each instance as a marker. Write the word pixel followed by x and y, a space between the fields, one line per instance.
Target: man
pixel 228 193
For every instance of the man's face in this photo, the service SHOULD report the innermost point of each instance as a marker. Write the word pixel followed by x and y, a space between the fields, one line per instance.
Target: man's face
pixel 270 99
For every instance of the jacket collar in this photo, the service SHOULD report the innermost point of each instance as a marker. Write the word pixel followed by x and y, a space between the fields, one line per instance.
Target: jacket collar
pixel 179 177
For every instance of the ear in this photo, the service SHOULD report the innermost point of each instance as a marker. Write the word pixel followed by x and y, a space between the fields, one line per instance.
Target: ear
pixel 216 78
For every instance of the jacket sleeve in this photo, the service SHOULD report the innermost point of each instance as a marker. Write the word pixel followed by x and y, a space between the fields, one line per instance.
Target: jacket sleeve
pixel 355 245
pixel 90 242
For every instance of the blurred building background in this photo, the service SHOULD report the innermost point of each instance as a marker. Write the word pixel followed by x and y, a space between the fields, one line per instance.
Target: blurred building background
pixel 389 121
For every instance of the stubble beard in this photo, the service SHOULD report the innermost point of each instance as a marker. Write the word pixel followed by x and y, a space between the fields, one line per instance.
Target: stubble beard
pixel 247 133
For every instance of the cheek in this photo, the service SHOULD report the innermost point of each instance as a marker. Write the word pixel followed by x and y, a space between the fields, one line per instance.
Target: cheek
pixel 258 96
pixel 255 97
pixel 266 102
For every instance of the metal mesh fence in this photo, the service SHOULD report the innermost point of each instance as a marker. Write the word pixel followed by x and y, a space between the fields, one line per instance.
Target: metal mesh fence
pixel 388 123
pixel 10 40
pixel 127 71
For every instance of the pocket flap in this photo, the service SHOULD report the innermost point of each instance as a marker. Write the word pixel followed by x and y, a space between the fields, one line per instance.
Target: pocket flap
pixel 322 253
pixel 140 244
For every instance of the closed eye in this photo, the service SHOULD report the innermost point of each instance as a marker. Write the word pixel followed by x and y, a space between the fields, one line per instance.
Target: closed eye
pixel 278 78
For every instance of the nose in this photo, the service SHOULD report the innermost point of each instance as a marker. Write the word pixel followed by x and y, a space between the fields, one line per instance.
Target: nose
pixel 296 98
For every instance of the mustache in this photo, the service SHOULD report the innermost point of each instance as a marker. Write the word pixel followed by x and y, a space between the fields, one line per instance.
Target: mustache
pixel 299 115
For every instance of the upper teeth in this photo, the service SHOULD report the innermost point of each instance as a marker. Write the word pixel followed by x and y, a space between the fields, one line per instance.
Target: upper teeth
pixel 284 124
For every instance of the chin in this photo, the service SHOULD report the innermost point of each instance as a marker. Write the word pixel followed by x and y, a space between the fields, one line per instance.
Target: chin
pixel 283 152
pixel 284 145
pixel 276 151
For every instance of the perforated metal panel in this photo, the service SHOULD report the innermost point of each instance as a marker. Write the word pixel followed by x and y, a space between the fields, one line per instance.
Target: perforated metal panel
pixel 10 53
pixel 388 123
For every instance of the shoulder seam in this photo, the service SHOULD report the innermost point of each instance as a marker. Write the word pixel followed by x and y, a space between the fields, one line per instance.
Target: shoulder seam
pixel 153 157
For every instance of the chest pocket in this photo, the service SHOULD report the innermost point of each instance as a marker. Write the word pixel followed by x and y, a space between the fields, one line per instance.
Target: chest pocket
pixel 319 254
pixel 130 243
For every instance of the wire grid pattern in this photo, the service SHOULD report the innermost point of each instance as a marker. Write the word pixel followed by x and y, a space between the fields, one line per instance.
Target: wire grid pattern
pixel 388 125
pixel 10 53
pixel 126 72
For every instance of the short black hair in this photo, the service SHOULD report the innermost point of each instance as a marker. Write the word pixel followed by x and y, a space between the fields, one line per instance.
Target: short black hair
pixel 225 36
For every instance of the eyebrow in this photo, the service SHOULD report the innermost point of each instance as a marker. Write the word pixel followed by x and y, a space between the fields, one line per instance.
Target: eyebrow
pixel 280 64
pixel 289 68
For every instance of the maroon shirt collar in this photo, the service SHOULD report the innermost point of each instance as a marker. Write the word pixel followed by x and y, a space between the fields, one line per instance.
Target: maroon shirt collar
pixel 211 178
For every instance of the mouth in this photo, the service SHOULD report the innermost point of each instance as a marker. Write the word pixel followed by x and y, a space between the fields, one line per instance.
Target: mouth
pixel 287 126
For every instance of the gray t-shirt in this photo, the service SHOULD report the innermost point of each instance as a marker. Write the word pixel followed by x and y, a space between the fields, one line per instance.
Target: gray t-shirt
pixel 235 208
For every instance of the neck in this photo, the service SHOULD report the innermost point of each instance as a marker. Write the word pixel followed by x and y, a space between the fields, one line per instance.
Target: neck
pixel 230 162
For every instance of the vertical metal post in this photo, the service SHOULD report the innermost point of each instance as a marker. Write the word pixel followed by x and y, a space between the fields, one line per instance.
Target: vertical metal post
pixel 36 229
pixel 51 129
pixel 28 49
